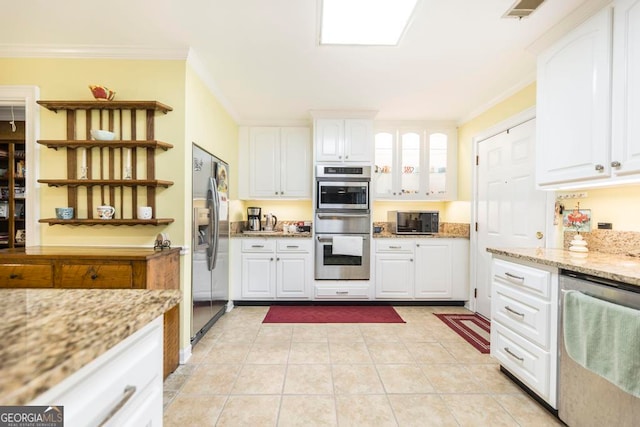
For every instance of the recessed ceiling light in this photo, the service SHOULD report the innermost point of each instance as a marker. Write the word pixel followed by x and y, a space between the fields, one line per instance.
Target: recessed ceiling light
pixel 364 22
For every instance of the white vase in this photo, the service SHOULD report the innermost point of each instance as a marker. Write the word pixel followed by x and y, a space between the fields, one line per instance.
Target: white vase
pixel 578 246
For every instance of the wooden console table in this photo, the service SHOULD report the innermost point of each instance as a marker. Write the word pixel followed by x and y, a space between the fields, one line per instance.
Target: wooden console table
pixel 100 268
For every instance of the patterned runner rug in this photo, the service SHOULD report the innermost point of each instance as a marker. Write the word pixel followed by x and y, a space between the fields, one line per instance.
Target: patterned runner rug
pixel 472 327
pixel 332 314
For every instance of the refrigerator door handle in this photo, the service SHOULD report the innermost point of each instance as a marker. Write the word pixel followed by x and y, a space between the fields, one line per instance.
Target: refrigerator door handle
pixel 213 202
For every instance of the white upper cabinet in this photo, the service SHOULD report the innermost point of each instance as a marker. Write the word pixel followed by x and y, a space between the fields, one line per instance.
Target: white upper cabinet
pixel 415 164
pixel 588 98
pixel 625 157
pixel 343 140
pixel 573 99
pixel 275 163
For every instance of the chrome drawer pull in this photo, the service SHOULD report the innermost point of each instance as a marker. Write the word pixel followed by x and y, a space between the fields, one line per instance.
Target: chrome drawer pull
pixel 520 359
pixel 292 246
pixel 513 276
pixel 395 247
pixel 342 292
pixel 128 392
pixel 257 246
pixel 510 310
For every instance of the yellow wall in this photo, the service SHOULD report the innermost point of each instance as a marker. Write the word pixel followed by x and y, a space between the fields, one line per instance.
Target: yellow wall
pixel 460 211
pixel 619 206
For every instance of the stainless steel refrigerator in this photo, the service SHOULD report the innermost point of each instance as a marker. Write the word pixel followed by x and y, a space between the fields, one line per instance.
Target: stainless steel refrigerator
pixel 210 241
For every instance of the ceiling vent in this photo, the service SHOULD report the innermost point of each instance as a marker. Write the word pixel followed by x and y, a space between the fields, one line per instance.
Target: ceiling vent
pixel 522 8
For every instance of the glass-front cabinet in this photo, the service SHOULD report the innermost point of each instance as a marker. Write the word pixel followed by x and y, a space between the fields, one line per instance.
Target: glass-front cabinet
pixel 416 163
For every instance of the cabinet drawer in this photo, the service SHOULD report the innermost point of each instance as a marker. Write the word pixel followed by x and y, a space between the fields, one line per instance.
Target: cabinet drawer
pixel 404 246
pixel 113 276
pixel 523 359
pixel 26 275
pixel 131 368
pixel 294 245
pixel 527 315
pixel 359 292
pixel 258 245
pixel 523 277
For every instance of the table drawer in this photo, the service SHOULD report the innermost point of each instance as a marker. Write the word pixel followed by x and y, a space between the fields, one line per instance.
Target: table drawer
pixel 528 362
pixel 523 277
pixel 113 276
pixel 527 315
pixel 26 275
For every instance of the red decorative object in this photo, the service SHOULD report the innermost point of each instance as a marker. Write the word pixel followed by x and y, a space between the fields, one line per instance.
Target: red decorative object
pixel 464 325
pixel 101 93
pixel 332 314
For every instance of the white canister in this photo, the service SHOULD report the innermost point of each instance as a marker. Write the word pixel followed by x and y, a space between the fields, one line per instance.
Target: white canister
pixel 145 212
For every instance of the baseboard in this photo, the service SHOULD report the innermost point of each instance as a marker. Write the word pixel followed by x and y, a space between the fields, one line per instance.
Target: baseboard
pixel 185 354
pixel 530 392
pixel 343 302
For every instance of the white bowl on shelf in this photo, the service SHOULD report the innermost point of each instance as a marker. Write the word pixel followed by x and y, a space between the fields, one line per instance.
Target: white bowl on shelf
pixel 102 135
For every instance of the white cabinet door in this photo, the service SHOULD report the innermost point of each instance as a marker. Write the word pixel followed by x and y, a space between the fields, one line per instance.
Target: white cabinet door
pixel 626 88
pixel 294 273
pixel 295 162
pixel 358 140
pixel 264 162
pixel 573 104
pixel 258 275
pixel 433 269
pixel 329 140
pixel 394 275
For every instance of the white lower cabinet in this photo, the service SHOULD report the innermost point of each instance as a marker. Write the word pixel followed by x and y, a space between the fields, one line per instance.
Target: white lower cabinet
pixel 524 317
pixel 422 268
pixel 275 268
pixel 122 387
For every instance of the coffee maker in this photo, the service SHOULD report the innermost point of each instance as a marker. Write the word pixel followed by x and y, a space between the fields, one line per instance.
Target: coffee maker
pixel 254 214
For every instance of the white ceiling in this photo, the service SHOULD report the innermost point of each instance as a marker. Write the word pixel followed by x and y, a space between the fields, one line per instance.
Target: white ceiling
pixel 262 56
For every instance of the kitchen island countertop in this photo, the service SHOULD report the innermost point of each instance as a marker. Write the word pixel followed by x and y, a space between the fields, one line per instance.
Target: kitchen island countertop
pixel 51 333
pixel 621 268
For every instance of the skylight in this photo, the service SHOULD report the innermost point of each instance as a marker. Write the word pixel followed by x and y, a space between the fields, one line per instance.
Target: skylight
pixel 364 22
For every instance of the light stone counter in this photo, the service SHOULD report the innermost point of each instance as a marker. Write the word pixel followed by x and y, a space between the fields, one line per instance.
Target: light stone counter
pixel 48 334
pixel 622 268
pixel 274 234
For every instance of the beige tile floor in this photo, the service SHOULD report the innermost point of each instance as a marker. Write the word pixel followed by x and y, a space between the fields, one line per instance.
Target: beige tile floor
pixel 245 373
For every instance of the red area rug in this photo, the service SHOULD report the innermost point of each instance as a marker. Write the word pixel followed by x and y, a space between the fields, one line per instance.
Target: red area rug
pixel 472 327
pixel 332 314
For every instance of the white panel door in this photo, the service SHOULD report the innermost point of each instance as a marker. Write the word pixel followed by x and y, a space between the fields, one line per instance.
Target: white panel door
pixel 258 276
pixel 434 266
pixel 358 140
pixel 626 87
pixel 329 140
pixel 293 276
pixel 510 211
pixel 394 276
pixel 573 104
pixel 264 162
pixel 295 162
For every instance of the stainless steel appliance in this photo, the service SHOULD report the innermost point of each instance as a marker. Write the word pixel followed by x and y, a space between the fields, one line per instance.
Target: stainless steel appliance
pixel 342 187
pixel 253 216
pixel 585 398
pixel 330 264
pixel 270 221
pixel 413 222
pixel 210 242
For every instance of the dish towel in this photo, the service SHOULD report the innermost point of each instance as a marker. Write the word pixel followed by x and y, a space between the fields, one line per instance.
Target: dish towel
pixel 347 245
pixel 604 338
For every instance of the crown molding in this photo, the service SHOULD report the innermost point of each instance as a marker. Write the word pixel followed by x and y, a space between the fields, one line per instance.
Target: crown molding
pixel 91 51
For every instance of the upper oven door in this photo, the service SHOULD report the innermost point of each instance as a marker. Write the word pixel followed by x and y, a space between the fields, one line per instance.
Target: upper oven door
pixel 343 195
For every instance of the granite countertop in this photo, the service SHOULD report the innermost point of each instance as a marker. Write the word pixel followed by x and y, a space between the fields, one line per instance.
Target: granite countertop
pixel 387 235
pixel 278 234
pixel 622 268
pixel 51 333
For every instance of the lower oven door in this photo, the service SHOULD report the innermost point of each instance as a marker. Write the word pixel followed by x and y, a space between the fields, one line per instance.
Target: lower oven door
pixel 330 266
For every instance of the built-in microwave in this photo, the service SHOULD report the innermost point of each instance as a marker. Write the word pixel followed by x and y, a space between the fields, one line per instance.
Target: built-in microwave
pixel 342 188
pixel 413 222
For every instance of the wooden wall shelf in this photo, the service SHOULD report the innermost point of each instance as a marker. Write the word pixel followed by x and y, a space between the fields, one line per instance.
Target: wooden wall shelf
pixel 79 143
pixel 109 172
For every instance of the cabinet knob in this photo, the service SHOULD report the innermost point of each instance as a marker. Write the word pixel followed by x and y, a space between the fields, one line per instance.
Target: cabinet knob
pixel 417 245
pixel 539 235
pixel 600 168
pixel 94 276
pixel 411 259
pixel 340 157
pixel 271 259
pixel 346 157
pixel 616 164
pixel 277 259
pixel 13 276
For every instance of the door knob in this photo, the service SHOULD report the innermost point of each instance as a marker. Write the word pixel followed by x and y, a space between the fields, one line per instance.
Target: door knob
pixel 539 235
pixel 599 168
pixel 615 164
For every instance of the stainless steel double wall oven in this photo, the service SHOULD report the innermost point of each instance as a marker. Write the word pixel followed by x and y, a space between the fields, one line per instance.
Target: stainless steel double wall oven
pixel 343 212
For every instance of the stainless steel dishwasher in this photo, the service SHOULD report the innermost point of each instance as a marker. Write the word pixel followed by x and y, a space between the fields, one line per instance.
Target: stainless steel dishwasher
pixel 585 398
